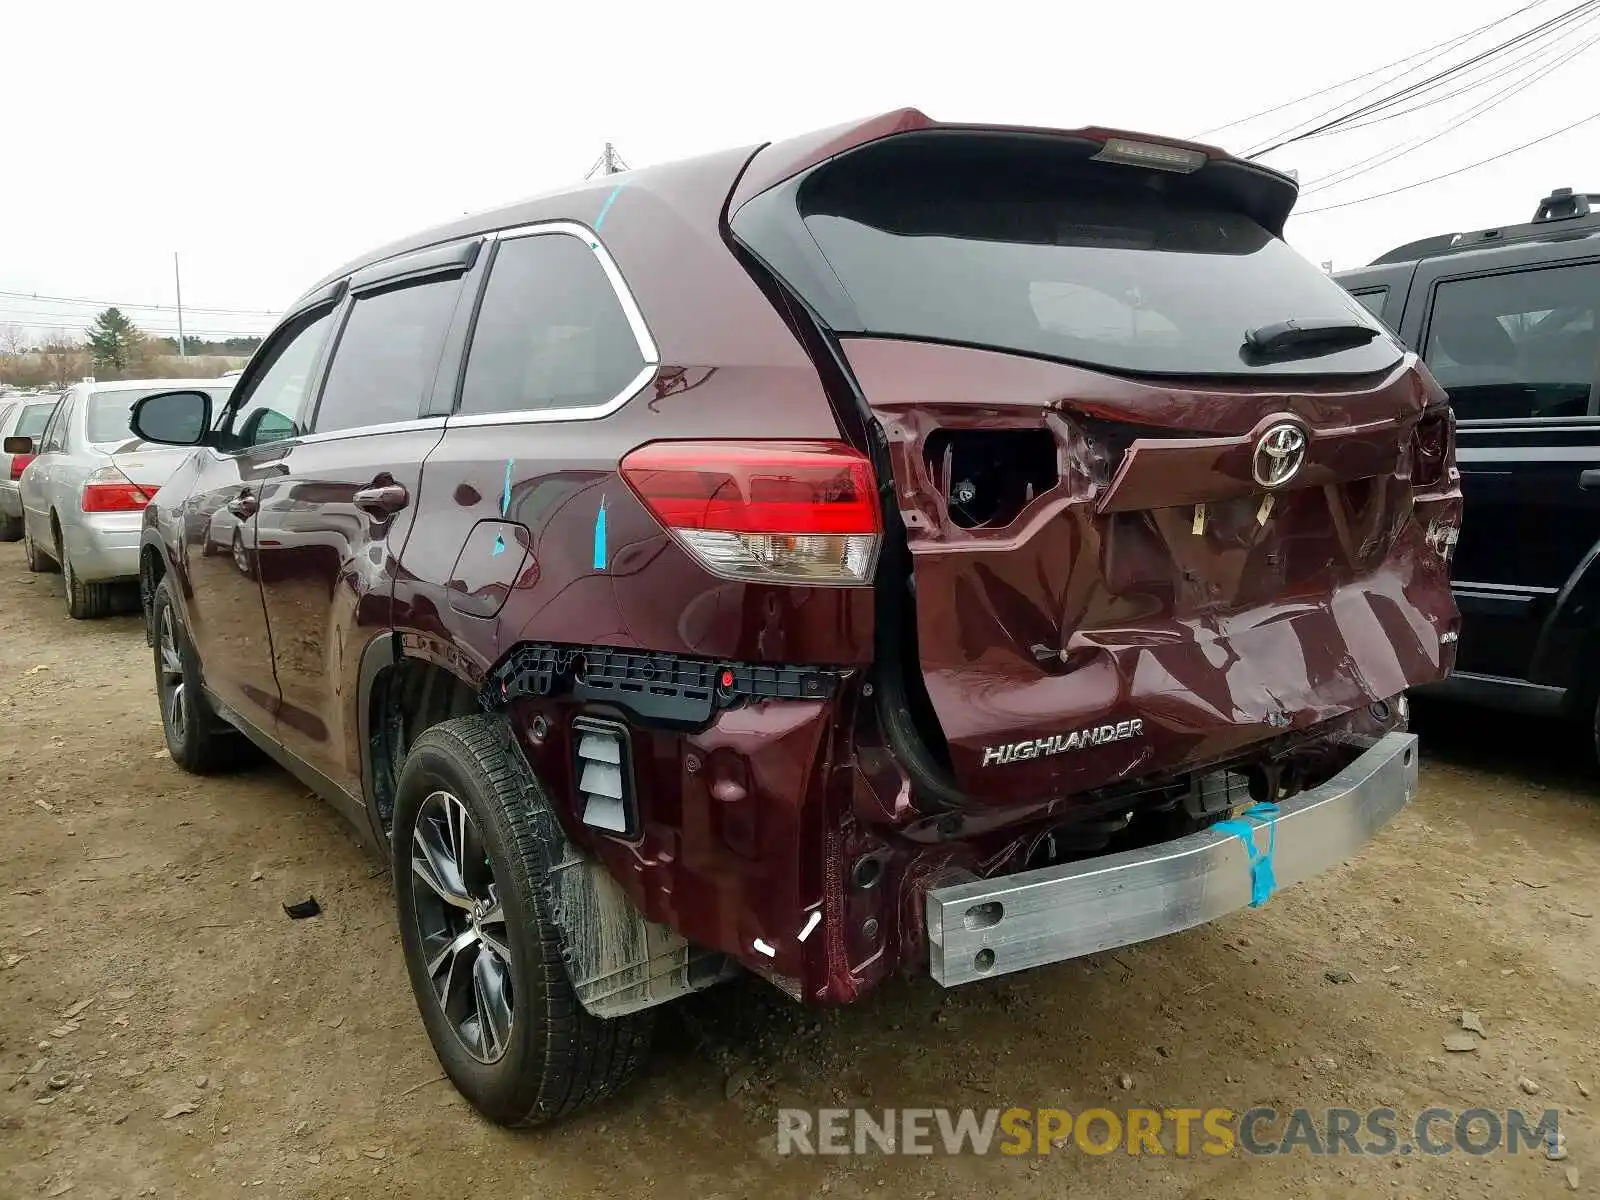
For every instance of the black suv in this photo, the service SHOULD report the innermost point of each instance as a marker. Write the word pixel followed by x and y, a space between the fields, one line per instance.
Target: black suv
pixel 1506 319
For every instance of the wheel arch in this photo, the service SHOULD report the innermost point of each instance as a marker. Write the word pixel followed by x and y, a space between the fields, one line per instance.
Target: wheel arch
pixel 401 692
pixel 1569 638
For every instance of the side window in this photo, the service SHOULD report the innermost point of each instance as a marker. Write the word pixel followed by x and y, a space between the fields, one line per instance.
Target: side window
pixel 268 410
pixel 55 432
pixel 1373 301
pixel 387 355
pixel 1516 345
pixel 551 332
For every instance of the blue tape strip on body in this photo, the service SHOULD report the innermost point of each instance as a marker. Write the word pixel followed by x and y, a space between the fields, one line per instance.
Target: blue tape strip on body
pixel 606 207
pixel 600 536
pixel 1263 882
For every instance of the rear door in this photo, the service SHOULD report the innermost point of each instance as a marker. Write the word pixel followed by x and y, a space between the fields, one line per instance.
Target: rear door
pixel 332 523
pixel 39 479
pixel 1515 345
pixel 225 616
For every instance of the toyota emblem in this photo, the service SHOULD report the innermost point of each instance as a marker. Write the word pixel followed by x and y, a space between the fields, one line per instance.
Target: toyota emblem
pixel 1279 455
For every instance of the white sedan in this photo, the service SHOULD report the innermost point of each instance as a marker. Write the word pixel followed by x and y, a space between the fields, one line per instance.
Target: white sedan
pixel 83 496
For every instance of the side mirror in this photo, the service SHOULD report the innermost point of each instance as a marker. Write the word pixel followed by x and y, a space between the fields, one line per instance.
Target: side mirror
pixel 18 445
pixel 172 418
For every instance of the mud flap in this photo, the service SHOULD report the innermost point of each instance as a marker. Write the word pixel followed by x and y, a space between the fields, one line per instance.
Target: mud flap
pixel 617 961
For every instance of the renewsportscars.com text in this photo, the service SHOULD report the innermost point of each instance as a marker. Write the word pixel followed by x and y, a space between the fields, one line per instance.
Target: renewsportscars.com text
pixel 1178 1132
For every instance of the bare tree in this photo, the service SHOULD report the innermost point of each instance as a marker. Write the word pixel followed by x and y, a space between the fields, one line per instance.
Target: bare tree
pixel 13 339
pixel 63 352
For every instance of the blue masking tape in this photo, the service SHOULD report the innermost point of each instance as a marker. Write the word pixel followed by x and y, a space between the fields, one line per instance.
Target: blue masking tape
pixel 499 546
pixel 1263 882
pixel 606 207
pixel 600 536
pixel 505 495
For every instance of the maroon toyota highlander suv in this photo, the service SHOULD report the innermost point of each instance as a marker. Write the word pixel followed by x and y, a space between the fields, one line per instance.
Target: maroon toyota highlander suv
pixel 908 547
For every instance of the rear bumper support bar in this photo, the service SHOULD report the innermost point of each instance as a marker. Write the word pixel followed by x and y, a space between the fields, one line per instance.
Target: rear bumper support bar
pixel 978 928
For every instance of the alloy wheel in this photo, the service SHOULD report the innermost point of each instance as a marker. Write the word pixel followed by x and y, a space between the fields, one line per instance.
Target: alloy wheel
pixel 174 702
pixel 461 925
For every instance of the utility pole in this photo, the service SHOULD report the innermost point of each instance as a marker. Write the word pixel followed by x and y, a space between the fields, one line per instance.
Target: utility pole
pixel 609 163
pixel 177 280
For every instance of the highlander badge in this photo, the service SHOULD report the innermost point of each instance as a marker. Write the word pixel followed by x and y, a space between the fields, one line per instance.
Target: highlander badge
pixel 1061 743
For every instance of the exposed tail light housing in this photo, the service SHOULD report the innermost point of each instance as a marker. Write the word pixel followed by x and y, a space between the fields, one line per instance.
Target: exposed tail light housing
pixel 109 490
pixel 19 464
pixel 783 512
pixel 1432 448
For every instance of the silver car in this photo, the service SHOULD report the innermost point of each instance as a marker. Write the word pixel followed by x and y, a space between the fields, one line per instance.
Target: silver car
pixel 83 497
pixel 20 416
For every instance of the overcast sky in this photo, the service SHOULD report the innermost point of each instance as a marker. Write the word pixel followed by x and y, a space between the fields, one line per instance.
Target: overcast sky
pixel 268 143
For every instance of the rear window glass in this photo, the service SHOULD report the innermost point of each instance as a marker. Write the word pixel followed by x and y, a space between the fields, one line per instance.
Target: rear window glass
pixel 107 417
pixel 551 332
pixel 1101 264
pixel 32 421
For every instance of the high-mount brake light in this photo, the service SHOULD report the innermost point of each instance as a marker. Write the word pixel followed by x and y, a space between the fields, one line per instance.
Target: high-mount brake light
pixel 1151 154
pixel 784 512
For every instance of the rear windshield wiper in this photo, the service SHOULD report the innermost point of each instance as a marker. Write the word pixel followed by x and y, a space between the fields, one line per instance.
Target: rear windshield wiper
pixel 1305 339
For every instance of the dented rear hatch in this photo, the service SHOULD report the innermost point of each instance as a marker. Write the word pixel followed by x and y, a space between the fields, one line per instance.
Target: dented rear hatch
pixel 1167 491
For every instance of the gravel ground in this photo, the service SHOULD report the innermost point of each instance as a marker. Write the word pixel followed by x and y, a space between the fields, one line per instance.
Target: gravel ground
pixel 205 1045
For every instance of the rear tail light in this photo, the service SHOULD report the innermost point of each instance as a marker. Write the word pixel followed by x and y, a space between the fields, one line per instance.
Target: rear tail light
pixel 19 464
pixel 1431 450
pixel 786 512
pixel 109 490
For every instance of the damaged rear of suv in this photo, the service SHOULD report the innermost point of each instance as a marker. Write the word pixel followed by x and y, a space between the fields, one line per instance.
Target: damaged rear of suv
pixel 908 547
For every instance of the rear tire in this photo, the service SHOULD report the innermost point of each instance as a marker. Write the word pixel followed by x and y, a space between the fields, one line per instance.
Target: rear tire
pixel 38 561
pixel 499 1008
pixel 198 740
pixel 10 529
pixel 85 601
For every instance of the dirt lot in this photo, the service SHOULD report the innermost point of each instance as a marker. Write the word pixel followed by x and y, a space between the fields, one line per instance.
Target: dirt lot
pixel 206 1044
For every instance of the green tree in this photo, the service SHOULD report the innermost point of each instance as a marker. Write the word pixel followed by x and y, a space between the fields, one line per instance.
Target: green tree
pixel 114 342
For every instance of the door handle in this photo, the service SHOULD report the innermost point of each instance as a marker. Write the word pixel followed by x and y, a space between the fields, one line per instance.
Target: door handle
pixel 1589 480
pixel 382 500
pixel 244 505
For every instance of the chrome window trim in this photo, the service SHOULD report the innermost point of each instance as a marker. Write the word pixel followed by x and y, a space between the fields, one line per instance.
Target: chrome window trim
pixel 339 435
pixel 630 310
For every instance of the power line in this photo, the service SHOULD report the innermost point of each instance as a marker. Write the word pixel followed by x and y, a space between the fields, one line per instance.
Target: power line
pixel 149 330
pixel 1482 162
pixel 1506 69
pixel 1424 84
pixel 232 312
pixel 76 321
pixel 1372 162
pixel 1334 87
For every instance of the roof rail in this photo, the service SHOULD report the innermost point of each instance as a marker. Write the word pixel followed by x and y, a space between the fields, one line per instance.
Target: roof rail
pixel 1561 204
pixel 1562 214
